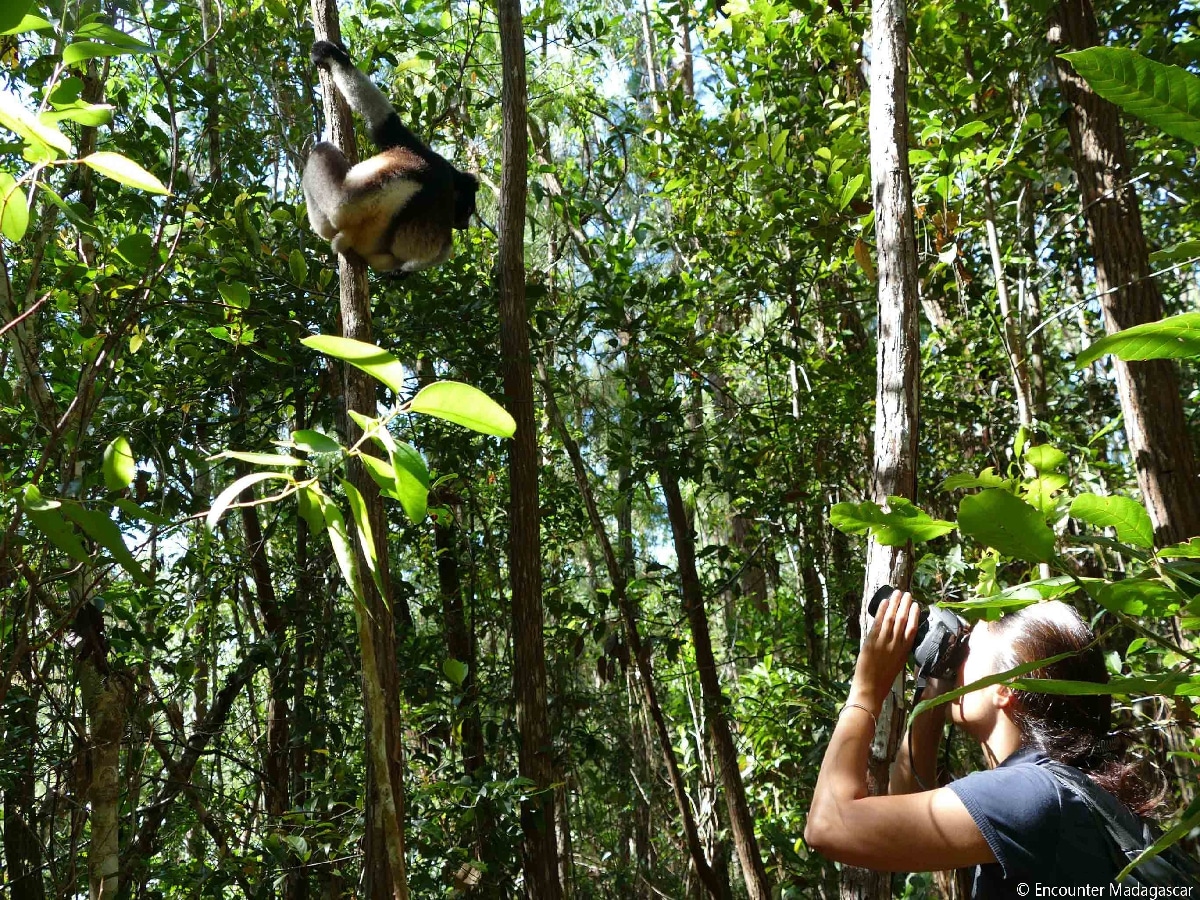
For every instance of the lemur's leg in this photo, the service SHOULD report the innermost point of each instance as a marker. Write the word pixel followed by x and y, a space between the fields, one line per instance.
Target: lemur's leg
pixel 324 187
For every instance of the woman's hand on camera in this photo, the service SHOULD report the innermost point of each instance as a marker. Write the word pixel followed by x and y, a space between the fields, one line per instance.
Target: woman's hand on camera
pixel 884 651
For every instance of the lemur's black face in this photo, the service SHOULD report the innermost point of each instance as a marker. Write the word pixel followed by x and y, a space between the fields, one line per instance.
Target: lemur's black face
pixel 465 186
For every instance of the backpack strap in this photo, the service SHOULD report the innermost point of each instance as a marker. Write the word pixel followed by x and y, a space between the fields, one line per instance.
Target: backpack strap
pixel 1108 811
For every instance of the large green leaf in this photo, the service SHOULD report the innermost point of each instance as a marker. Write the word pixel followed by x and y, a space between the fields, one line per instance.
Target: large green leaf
pixel 227 496
pixel 47 516
pixel 14 208
pixel 104 531
pixel 118 466
pixel 397 480
pixel 124 170
pixel 1139 596
pixel 366 537
pixel 464 405
pixel 997 519
pixel 895 527
pixel 1176 337
pixel 1122 513
pixel 376 362
pixel 343 550
pixel 12 12
pixel 1166 97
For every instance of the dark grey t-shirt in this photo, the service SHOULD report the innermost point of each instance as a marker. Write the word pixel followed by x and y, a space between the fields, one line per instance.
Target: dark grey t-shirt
pixel 1039 830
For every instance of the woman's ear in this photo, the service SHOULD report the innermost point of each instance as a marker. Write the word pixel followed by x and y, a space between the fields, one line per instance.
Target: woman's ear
pixel 1004 697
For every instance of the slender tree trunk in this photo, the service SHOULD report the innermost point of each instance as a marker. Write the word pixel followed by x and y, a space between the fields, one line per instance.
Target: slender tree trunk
pixel 897 359
pixel 641 654
pixel 1155 425
pixel 384 860
pixel 536 760
pixel 104 697
pixel 1010 316
pixel 715 705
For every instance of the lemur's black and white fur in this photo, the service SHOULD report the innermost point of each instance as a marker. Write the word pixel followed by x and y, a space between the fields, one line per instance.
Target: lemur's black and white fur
pixel 397 209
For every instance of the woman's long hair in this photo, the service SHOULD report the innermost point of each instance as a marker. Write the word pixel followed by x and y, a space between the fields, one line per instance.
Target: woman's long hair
pixel 1071 729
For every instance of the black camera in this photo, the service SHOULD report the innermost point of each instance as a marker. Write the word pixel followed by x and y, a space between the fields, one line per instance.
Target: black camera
pixel 941 640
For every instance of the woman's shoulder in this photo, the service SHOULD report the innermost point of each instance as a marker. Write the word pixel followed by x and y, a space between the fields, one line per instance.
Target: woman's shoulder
pixel 1026 815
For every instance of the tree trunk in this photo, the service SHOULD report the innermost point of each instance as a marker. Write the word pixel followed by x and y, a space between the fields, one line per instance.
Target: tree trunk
pixel 1155 425
pixel 897 359
pixel 730 773
pixel 536 760
pixel 104 699
pixel 640 653
pixel 384 860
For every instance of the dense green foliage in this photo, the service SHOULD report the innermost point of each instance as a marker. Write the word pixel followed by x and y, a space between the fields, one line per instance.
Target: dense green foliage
pixel 701 273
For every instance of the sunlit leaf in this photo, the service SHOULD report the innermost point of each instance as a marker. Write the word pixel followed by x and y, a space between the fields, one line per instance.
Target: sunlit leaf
pixel 16 118
pixel 1166 97
pixel 118 465
pixel 464 405
pixel 124 170
pixel 231 493
pixel 376 362
pixel 12 12
pixel 455 670
pixel 900 523
pixel 261 459
pixel 1125 514
pixel 1176 337
pixel 366 537
pixel 997 519
pixel 14 208
pixel 314 441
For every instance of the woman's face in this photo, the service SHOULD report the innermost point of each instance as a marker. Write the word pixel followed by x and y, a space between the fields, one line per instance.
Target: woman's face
pixel 976 711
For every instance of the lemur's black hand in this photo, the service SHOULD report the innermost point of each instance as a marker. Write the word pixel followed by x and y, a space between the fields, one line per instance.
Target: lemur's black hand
pixel 325 53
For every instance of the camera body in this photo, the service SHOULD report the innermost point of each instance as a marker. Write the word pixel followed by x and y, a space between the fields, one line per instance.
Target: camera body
pixel 941 640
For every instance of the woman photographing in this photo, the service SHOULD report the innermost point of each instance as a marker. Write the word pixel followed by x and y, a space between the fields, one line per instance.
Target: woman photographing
pixel 1018 823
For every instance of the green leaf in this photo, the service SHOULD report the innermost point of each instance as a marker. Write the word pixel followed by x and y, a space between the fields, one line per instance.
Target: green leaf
pixel 47 516
pixel 377 363
pixel 136 249
pixel 309 499
pixel 99 31
pixel 987 680
pixel 1166 97
pixel 14 208
pixel 298 267
pixel 90 114
pixel 1045 458
pixel 999 520
pixel 1173 835
pixel 1190 550
pixel 1139 596
pixel 1188 250
pixel 1123 513
pixel 83 50
pixel 314 441
pixel 1040 492
pixel 1021 595
pixel 400 484
pixel 1176 337
pixel 901 523
pixel 230 493
pixel 104 531
pixel 986 479
pixel 16 118
pixel 343 551
pixel 124 170
pixel 1170 685
pixel 850 191
pixel 235 294
pixel 261 459
pixel 29 23
pixel 119 465
pixel 12 12
pixel 366 537
pixel 464 405
pixel 455 671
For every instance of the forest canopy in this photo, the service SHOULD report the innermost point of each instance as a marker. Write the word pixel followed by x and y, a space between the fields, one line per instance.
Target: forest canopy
pixel 541 572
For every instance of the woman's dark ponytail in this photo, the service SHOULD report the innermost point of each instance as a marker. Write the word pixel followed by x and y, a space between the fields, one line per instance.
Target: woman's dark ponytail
pixel 1073 729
